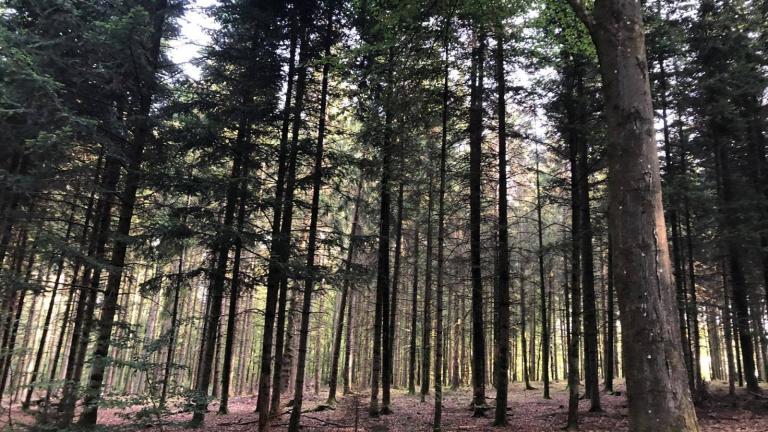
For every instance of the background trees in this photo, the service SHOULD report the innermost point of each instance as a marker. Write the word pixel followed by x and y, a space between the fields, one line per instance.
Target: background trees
pixel 377 193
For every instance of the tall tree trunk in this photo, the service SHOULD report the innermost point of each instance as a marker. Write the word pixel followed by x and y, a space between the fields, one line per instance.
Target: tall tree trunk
pixel 523 330
pixel 437 421
pixel 210 342
pixel 317 178
pixel 381 317
pixel 427 318
pixel 610 324
pixel 573 134
pixel 82 322
pixel 728 332
pixel 414 310
pixel 280 246
pixel 339 331
pixel 542 288
pixel 475 178
pixel 591 376
pixel 636 222
pixel 501 297
pixel 48 316
pixel 142 135
pixel 282 228
pixel 677 253
pixel 234 291
pixel 395 282
pixel 263 402
pixel 172 330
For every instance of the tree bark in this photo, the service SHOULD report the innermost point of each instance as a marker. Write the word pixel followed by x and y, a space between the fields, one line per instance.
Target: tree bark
pixel 658 399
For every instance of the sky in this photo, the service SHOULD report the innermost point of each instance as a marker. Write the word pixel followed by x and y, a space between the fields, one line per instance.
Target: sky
pixel 195 27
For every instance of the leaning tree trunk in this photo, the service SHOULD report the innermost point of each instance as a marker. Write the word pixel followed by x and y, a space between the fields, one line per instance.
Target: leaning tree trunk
pixel 659 397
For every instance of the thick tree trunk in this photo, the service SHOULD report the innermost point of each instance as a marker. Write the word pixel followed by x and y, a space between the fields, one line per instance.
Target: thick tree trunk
pixel 659 400
pixel 672 215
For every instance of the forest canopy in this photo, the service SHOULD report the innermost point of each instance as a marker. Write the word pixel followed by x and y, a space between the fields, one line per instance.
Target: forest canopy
pixel 316 213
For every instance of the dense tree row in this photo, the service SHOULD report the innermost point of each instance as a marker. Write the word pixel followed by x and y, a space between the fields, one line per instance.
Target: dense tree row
pixel 380 195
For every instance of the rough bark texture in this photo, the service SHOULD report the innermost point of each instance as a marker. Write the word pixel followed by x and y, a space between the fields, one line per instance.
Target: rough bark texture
pixel 659 397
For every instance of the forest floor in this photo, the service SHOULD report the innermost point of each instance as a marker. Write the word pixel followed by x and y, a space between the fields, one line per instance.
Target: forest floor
pixel 529 413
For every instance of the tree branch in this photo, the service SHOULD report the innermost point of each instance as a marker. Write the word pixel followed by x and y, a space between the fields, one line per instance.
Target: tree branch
pixel 581 12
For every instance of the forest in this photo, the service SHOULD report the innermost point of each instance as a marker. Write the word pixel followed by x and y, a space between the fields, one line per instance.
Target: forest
pixel 384 215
